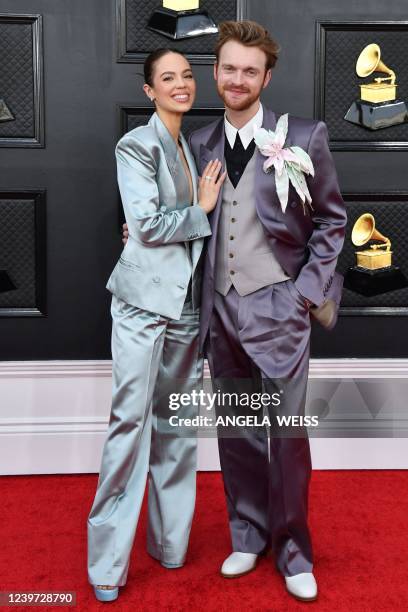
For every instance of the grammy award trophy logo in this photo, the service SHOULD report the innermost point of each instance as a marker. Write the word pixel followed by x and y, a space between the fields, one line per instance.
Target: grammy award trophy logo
pixel 378 106
pixel 180 19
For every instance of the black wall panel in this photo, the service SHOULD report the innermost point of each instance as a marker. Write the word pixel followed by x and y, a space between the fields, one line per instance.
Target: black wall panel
pixel 22 253
pixel 21 72
pixel 337 84
pixel 86 94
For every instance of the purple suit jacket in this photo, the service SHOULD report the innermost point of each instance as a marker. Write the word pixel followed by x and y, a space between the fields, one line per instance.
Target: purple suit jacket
pixel 306 245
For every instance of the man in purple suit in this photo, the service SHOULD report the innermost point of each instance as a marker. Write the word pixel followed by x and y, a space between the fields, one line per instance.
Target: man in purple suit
pixel 267 267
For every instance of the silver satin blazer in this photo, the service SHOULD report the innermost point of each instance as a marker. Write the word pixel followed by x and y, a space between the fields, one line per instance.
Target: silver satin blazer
pixel 155 267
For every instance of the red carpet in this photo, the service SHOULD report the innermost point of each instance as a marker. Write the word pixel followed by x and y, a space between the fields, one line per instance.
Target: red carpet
pixel 358 521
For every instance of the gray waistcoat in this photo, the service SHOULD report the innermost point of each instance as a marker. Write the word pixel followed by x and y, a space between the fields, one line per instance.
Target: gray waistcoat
pixel 243 256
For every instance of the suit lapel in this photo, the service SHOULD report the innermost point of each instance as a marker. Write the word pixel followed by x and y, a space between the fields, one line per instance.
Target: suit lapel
pixel 214 148
pixel 211 150
pixel 192 167
pixel 175 167
pixel 169 146
pixel 197 245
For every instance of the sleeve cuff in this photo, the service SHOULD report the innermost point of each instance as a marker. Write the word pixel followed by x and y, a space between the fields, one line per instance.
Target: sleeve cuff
pixel 203 225
pixel 313 296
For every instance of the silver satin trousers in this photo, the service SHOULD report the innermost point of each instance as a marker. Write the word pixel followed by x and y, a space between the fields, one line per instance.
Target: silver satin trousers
pixel 150 355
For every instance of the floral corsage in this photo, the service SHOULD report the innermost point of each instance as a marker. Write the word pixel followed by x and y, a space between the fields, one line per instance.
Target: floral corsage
pixel 290 163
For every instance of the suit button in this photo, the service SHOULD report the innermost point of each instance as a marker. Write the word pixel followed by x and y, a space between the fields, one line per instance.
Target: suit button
pixel 156 279
pixel 163 208
pixel 293 204
pixel 234 203
pixel 232 272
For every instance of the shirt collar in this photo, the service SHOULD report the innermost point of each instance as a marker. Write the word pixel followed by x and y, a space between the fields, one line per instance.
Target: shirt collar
pixel 246 133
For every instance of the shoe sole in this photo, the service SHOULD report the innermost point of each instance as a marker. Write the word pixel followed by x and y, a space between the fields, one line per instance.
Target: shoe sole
pixel 304 599
pixel 238 575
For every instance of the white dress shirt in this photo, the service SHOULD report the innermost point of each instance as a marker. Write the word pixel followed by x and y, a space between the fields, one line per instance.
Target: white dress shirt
pixel 246 133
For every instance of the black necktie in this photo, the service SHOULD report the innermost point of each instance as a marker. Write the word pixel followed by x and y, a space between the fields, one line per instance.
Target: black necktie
pixel 238 146
pixel 237 158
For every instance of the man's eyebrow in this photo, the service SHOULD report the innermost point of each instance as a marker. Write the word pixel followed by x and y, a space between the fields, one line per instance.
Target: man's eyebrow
pixel 226 65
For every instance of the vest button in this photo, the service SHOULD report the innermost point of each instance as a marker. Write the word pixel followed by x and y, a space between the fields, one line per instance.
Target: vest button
pixel 231 255
pixel 232 272
pixel 233 219
pixel 231 237
pixel 234 203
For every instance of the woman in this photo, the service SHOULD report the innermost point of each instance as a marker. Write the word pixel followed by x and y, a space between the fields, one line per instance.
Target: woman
pixel 155 287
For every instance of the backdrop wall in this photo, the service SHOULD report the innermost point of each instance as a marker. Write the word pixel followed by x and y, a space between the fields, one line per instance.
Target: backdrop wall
pixel 84 87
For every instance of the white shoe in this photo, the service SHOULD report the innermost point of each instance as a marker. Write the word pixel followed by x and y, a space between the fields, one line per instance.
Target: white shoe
pixel 302 586
pixel 238 564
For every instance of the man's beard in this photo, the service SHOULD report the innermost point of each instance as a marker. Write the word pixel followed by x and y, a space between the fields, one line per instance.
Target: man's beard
pixel 239 105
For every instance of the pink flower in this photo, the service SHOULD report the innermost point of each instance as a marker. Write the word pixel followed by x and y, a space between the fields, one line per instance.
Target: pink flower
pixel 277 157
pixel 290 163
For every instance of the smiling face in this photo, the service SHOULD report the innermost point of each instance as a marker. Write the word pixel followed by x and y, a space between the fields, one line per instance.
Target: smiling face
pixel 173 86
pixel 241 75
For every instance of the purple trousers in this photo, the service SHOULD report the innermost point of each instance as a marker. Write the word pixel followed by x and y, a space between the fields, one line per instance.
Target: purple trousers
pixel 260 343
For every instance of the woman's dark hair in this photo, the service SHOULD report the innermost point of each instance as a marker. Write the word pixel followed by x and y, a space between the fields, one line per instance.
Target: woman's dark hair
pixel 151 60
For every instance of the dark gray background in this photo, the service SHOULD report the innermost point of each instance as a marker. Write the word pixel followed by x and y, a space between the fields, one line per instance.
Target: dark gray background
pixel 83 89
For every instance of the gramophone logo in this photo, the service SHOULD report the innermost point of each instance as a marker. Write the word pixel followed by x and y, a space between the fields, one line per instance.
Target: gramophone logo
pixel 378 106
pixel 374 272
pixel 379 254
pixel 179 19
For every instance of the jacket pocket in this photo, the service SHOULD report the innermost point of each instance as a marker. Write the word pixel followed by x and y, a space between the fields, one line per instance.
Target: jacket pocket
pixel 295 293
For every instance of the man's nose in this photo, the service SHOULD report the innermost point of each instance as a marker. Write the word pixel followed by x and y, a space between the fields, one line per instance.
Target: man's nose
pixel 238 78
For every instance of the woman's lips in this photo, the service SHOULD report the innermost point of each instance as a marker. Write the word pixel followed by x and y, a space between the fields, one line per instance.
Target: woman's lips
pixel 181 97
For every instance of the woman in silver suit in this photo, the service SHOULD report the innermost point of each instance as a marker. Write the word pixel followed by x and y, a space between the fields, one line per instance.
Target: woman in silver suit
pixel 155 314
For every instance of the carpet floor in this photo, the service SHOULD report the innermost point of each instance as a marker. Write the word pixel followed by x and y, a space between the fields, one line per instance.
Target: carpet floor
pixel 358 522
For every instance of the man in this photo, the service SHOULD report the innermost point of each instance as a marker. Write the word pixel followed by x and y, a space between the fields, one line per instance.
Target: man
pixel 265 267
